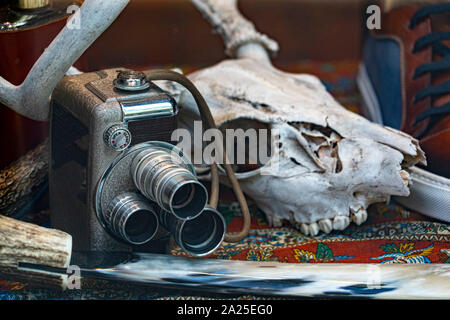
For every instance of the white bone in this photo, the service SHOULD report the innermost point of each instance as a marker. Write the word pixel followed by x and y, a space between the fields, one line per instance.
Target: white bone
pixel 312 181
pixel 331 161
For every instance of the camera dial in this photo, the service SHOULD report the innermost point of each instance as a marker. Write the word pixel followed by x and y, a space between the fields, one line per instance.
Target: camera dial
pixel 130 80
pixel 117 137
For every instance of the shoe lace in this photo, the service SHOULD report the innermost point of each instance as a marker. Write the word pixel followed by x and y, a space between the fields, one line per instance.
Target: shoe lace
pixel 435 41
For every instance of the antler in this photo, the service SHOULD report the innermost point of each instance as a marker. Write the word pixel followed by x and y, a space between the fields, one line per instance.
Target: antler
pixel 31 98
pixel 26 242
pixel 23 179
pixel 235 30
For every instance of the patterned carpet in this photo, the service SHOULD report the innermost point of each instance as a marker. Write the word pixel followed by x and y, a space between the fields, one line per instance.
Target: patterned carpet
pixel 391 234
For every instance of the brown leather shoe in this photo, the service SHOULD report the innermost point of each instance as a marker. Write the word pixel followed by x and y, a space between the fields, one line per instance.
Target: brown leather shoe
pixel 405 83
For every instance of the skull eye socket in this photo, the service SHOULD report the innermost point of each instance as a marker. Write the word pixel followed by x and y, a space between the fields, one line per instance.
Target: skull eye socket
pixel 249 144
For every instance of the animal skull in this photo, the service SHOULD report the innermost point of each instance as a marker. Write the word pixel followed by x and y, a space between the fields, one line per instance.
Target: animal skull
pixel 331 164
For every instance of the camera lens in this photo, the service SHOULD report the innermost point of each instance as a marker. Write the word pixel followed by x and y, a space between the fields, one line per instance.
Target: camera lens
pixel 139 226
pixel 130 217
pixel 167 180
pixel 199 236
pixel 190 235
pixel 188 200
pixel 183 196
pixel 202 235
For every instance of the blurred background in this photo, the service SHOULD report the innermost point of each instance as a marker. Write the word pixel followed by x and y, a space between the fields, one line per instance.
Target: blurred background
pixel 171 33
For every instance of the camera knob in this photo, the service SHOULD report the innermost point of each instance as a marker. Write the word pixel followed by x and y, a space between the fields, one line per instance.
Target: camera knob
pixel 117 137
pixel 129 80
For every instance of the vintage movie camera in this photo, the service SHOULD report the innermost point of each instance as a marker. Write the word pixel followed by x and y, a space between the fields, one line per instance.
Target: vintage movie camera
pixel 116 182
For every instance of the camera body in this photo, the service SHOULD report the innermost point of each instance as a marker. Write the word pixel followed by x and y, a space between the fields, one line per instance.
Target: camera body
pixel 96 118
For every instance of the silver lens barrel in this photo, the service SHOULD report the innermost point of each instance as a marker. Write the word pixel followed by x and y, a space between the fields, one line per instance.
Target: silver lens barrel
pixel 199 236
pixel 129 216
pixel 166 179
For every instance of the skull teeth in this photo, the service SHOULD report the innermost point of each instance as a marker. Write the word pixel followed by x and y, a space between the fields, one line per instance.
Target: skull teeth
pixel 340 222
pixel 359 217
pixel 311 229
pixel 304 228
pixel 337 223
pixel 325 225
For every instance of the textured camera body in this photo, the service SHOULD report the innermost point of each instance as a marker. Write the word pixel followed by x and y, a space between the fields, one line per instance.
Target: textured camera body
pixel 93 123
